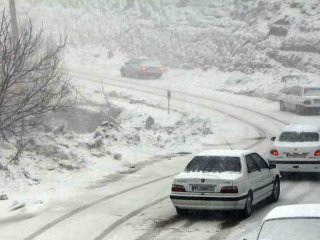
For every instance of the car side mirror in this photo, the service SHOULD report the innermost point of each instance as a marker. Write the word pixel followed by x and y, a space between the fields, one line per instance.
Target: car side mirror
pixel 272 166
pixel 273 139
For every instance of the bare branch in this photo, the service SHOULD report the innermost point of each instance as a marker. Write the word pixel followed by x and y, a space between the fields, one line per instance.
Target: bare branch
pixel 31 83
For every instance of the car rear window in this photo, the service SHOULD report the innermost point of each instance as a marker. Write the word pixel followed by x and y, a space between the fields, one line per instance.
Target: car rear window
pixel 293 229
pixel 312 92
pixel 214 164
pixel 299 137
pixel 150 62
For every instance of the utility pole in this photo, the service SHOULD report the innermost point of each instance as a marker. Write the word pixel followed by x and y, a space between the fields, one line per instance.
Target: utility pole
pixel 14 21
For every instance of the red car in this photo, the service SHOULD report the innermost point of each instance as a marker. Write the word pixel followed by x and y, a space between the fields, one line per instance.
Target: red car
pixel 142 68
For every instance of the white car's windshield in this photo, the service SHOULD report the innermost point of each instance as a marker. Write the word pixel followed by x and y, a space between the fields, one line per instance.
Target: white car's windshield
pixel 214 164
pixel 291 229
pixel 312 92
pixel 299 137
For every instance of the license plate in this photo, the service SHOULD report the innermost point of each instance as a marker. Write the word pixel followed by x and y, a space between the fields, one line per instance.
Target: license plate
pixel 202 188
pixel 297 155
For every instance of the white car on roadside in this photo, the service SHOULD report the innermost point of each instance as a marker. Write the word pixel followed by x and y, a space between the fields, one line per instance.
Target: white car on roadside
pixel 297 149
pixel 225 180
pixel 291 222
pixel 300 99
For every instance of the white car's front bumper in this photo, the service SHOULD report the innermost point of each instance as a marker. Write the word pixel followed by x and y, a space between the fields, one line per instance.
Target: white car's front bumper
pixel 207 202
pixel 297 165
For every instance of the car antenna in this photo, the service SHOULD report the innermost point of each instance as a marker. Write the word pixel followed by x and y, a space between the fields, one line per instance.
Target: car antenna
pixel 228 144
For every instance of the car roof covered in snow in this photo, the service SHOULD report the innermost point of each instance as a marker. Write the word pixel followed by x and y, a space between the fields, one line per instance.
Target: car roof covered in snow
pixel 301 128
pixel 224 152
pixel 294 211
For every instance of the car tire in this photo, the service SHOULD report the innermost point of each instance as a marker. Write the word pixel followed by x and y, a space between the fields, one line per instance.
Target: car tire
pixel 122 72
pixel 246 212
pixel 275 191
pixel 282 107
pixel 137 75
pixel 182 212
pixel 300 110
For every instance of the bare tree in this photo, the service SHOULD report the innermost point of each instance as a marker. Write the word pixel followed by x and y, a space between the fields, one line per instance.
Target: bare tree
pixel 31 83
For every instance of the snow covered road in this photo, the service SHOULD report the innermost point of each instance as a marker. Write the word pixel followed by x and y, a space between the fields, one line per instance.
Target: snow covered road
pixel 138 206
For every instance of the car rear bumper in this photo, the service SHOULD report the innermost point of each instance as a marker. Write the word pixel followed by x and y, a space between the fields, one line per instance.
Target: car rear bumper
pixel 297 166
pixel 208 202
pixel 315 109
pixel 150 74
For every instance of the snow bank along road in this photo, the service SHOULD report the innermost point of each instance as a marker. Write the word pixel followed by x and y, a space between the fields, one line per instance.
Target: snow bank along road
pixel 138 206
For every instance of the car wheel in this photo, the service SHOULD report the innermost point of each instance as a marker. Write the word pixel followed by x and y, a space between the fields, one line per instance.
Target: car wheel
pixel 182 212
pixel 300 110
pixel 122 72
pixel 275 191
pixel 282 107
pixel 246 212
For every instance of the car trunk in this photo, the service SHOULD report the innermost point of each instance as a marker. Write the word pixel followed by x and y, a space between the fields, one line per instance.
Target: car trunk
pixel 206 182
pixel 297 149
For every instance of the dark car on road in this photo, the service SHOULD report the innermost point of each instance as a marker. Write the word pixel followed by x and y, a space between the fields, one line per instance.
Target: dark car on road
pixel 142 68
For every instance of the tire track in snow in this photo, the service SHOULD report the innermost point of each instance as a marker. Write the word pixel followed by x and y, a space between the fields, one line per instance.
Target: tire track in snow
pixel 86 206
pixel 120 221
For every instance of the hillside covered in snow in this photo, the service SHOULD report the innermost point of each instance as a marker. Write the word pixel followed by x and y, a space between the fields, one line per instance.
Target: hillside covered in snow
pixel 230 35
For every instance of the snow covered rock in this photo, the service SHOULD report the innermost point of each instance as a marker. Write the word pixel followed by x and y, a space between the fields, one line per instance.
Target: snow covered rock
pixel 68 165
pixel 179 123
pixel 3 197
pixel 97 143
pixel 117 156
pixel 278 30
pixel 59 130
pixel 149 122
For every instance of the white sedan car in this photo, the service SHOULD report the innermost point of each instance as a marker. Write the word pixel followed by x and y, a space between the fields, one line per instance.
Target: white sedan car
pixel 301 99
pixel 297 149
pixel 291 222
pixel 225 180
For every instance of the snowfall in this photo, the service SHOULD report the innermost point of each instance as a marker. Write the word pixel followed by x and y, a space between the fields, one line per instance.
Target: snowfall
pixel 112 131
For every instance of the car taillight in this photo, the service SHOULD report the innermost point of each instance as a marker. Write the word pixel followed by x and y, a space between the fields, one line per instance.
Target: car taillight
pixel 162 69
pixel 317 153
pixel 229 189
pixel 274 152
pixel 143 68
pixel 177 188
pixel 307 102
